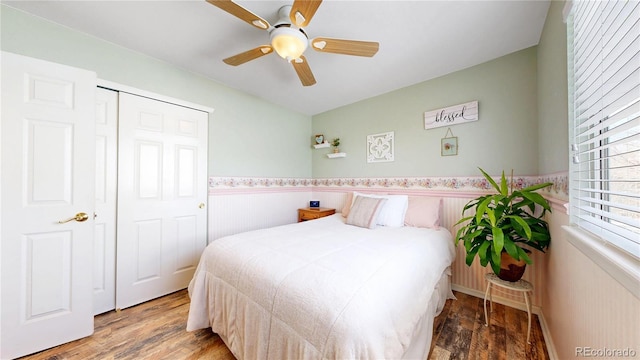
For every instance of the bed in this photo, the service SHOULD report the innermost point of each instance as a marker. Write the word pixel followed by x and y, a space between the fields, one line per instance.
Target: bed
pixel 324 289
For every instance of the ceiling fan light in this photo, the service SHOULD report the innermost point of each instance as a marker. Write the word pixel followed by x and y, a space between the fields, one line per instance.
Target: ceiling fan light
pixel 288 43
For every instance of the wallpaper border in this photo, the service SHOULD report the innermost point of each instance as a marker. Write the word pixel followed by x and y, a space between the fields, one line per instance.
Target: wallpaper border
pixel 470 184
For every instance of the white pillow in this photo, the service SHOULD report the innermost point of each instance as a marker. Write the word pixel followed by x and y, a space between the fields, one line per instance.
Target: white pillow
pixel 394 210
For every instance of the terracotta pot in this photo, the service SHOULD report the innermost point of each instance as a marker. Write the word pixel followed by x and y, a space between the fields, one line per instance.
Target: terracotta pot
pixel 510 268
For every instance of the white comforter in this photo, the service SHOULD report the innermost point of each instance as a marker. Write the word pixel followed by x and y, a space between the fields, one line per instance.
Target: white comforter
pixel 319 289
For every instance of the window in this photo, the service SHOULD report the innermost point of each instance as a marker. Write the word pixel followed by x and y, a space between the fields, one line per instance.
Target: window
pixel 604 87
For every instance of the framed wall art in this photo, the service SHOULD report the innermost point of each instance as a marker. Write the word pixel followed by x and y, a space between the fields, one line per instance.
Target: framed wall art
pixel 449 144
pixel 380 147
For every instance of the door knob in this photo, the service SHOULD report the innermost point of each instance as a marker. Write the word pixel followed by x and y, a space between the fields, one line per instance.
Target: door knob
pixel 79 217
pixel 201 206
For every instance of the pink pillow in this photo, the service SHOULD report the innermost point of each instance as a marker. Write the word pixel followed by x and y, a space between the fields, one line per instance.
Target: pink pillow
pixel 347 204
pixel 424 212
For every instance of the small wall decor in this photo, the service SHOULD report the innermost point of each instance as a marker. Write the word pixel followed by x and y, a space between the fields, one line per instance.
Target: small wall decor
pixel 335 143
pixel 320 142
pixel 449 145
pixel 380 147
pixel 452 115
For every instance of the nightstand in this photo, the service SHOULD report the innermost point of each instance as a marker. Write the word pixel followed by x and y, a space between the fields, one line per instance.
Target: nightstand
pixel 314 213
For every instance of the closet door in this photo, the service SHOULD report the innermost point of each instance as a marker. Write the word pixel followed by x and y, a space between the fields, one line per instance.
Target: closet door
pixel 47 190
pixel 104 250
pixel 162 192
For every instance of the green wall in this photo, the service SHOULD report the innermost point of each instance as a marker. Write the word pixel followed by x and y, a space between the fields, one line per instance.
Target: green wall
pixel 522 110
pixel 504 137
pixel 553 118
pixel 247 136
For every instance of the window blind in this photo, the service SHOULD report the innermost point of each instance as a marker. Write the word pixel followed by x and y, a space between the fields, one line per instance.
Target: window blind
pixel 604 66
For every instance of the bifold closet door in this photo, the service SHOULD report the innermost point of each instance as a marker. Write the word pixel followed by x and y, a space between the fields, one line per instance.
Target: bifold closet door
pixel 162 193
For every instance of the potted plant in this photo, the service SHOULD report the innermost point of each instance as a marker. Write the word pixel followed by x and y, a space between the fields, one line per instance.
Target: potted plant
pixel 335 143
pixel 504 227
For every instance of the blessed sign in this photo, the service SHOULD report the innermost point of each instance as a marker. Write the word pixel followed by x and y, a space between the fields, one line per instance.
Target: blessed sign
pixel 452 115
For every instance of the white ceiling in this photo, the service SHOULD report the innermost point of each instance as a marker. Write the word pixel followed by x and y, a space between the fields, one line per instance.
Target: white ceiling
pixel 419 40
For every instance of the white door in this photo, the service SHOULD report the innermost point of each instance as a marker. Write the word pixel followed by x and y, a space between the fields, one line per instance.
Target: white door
pixel 162 192
pixel 47 177
pixel 104 251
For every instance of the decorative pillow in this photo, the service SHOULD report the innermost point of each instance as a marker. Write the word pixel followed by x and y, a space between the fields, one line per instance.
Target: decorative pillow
pixel 423 211
pixel 393 212
pixel 364 211
pixel 348 203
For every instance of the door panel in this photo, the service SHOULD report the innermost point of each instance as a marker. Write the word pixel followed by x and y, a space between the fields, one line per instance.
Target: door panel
pixel 186 165
pixel 48 288
pixel 148 170
pixel 47 152
pixel 104 258
pixel 47 155
pixel 148 250
pixel 161 183
pixel 187 228
pixel 49 91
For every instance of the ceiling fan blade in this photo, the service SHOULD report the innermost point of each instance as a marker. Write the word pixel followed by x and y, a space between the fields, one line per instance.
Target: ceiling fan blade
pixel 302 11
pixel 345 47
pixel 241 13
pixel 249 55
pixel 304 71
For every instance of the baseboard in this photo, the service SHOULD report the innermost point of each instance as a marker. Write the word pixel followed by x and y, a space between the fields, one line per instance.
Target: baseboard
pixel 548 340
pixel 551 349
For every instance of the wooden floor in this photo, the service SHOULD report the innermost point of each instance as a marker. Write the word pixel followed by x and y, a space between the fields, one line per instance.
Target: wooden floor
pixel 156 330
pixel 459 333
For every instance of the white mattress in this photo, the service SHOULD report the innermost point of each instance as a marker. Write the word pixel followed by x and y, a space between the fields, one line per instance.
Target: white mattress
pixel 321 289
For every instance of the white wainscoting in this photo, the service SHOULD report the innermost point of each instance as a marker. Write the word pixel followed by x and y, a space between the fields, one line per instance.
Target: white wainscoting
pixel 236 212
pixel 583 305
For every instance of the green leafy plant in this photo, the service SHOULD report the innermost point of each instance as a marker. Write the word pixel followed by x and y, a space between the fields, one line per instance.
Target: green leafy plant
pixel 335 142
pixel 504 222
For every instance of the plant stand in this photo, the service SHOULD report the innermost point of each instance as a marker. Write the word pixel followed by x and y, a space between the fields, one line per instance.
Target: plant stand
pixel 522 286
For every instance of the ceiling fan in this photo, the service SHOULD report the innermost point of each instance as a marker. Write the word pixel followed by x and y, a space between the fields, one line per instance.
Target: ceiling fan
pixel 288 38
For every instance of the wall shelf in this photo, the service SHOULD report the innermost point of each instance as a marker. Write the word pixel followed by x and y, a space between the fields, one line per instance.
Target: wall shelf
pixel 320 146
pixel 336 155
